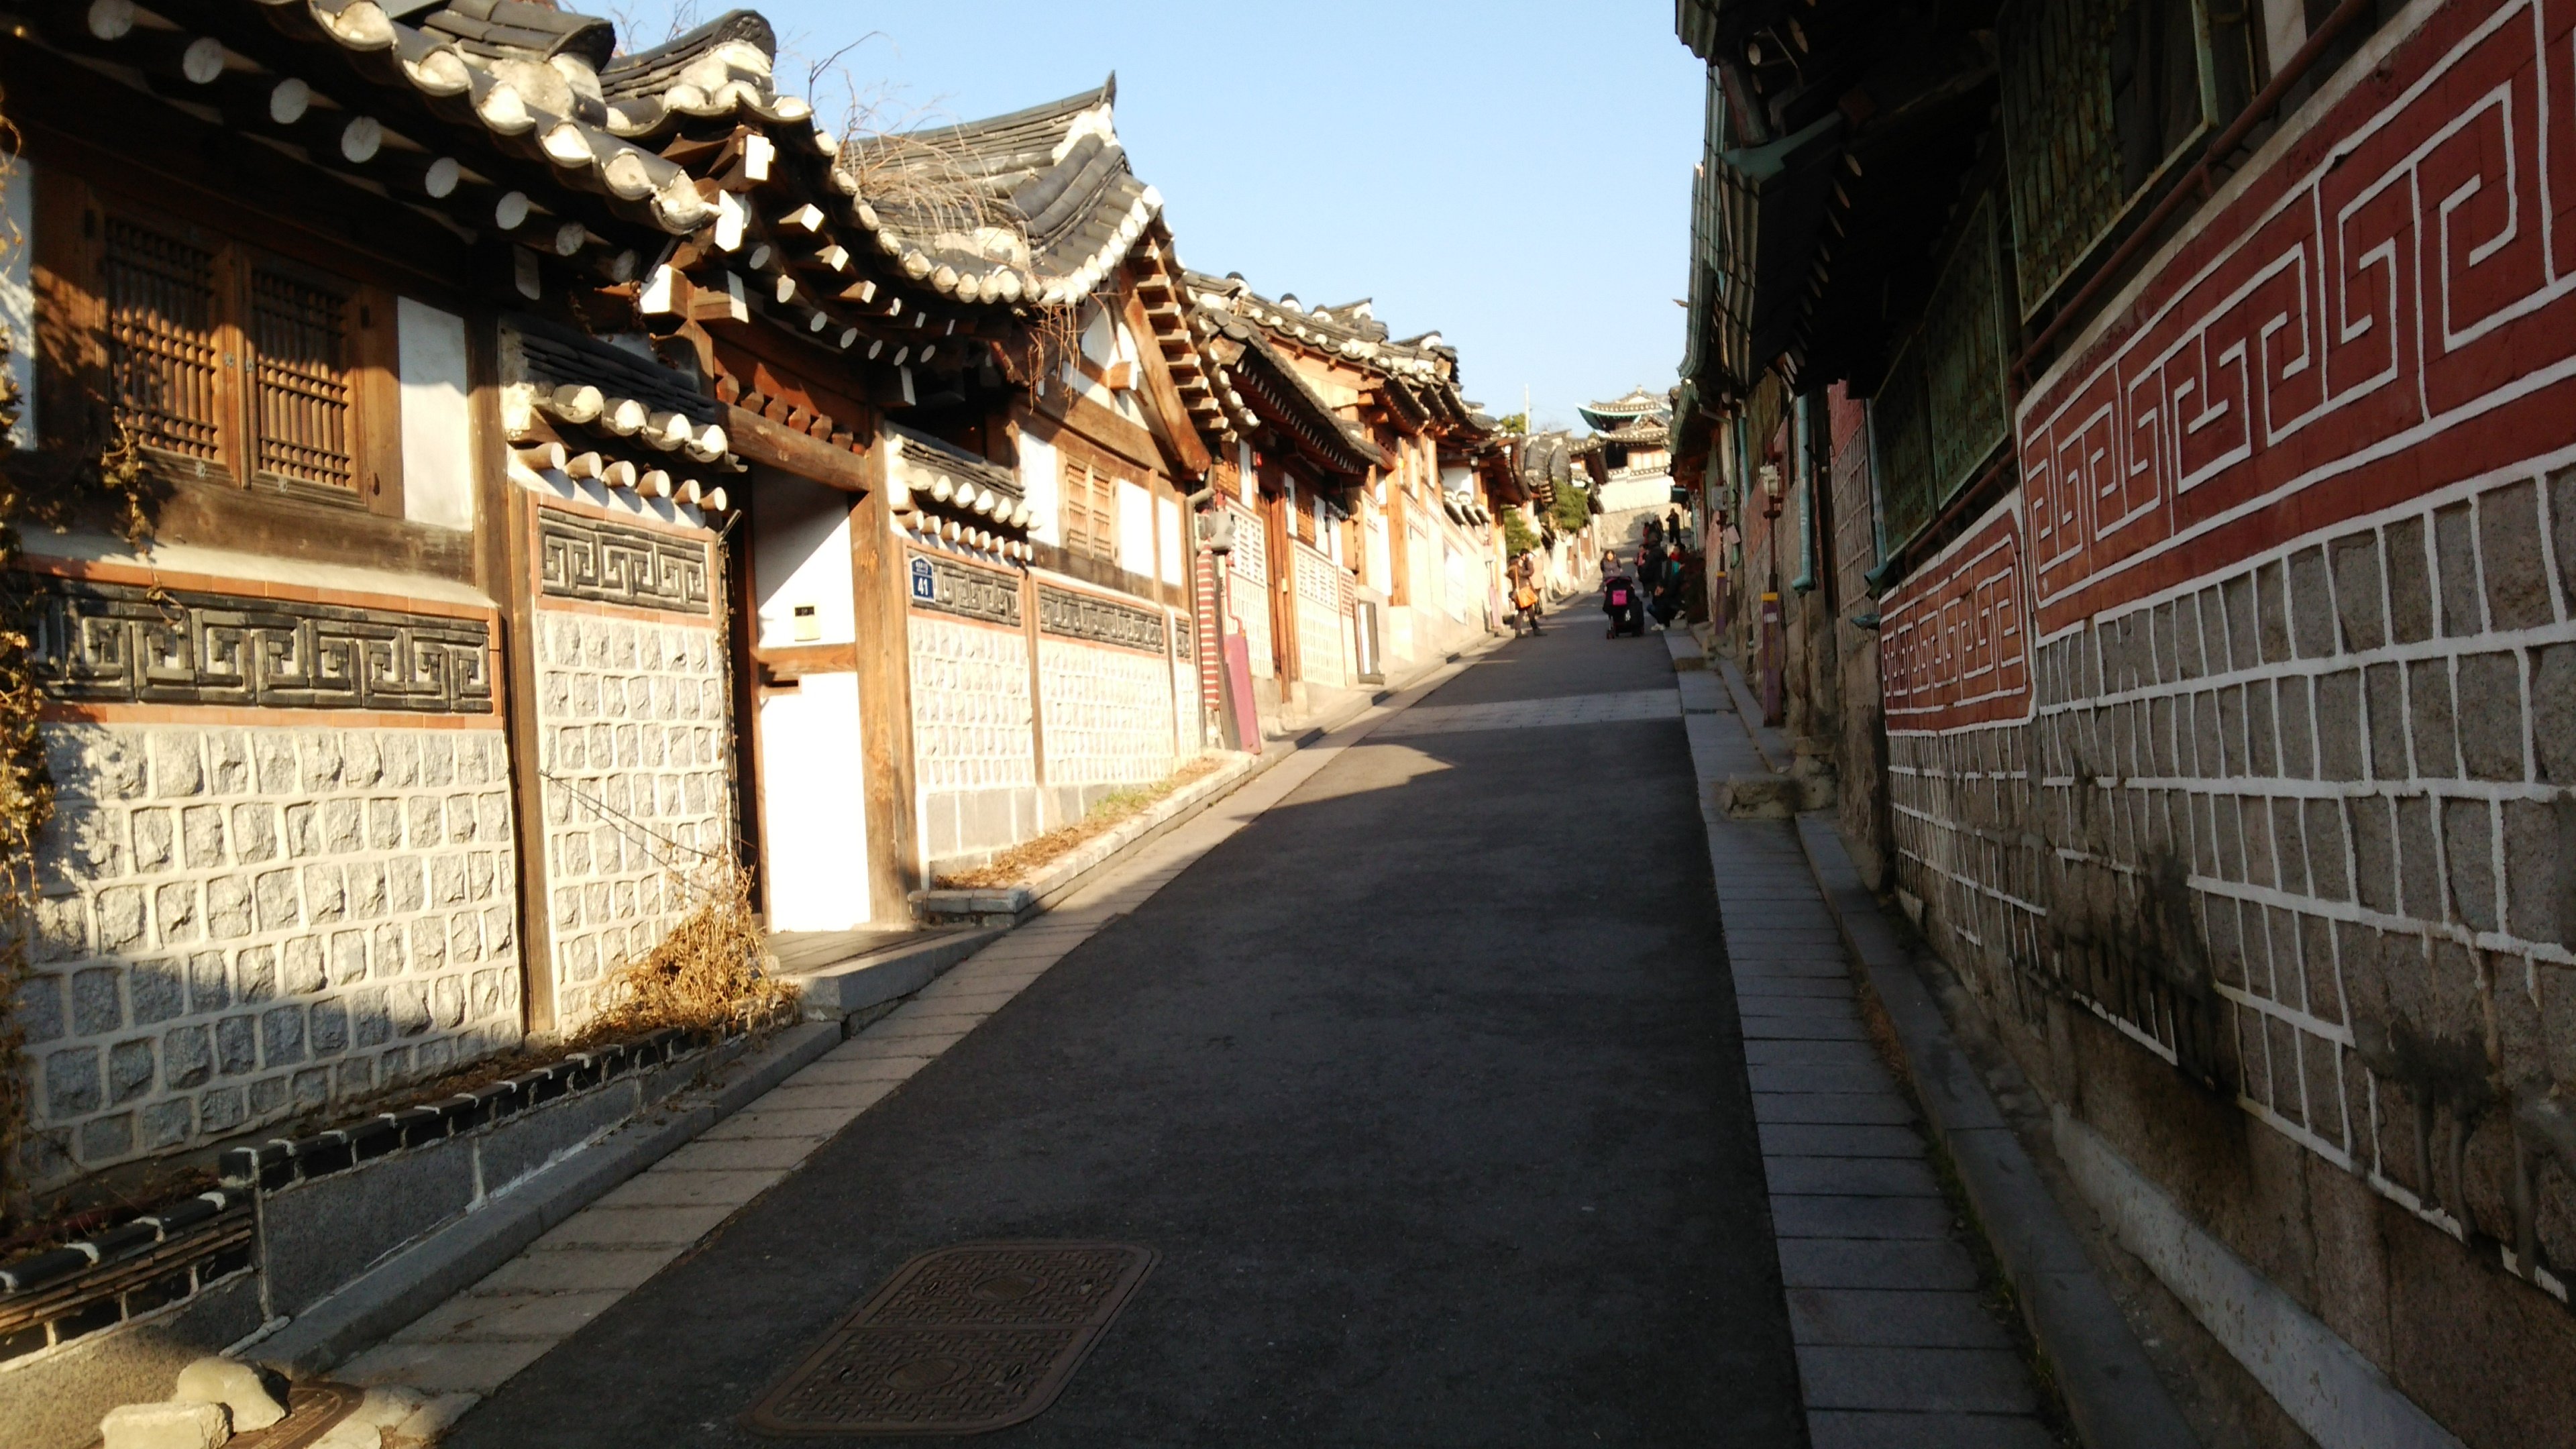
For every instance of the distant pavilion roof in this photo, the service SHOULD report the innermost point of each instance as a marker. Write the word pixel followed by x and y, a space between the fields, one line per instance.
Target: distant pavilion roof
pixel 1640 403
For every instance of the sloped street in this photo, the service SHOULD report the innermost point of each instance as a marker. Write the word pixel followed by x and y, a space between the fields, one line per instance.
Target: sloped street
pixel 1426 1087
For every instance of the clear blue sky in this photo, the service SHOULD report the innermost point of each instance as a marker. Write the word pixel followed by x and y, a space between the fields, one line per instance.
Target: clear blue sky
pixel 1513 175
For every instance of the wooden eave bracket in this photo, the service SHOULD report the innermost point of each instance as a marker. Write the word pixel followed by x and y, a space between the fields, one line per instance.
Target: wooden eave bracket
pixel 770 441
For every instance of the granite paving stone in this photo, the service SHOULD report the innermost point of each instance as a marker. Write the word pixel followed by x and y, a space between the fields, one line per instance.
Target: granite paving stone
pixel 1859 1176
pixel 1840 1140
pixel 1852 1215
pixel 1844 1429
pixel 1860 1263
pixel 1882 1318
pixel 1915 1379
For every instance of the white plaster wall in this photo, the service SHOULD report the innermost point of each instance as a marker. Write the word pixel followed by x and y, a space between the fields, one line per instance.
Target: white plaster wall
pixel 1135 529
pixel 801 558
pixel 1042 486
pixel 1626 494
pixel 437 429
pixel 1167 535
pixel 816 825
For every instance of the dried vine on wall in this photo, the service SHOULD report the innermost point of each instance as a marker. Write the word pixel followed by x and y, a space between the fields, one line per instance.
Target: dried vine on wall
pixel 112 484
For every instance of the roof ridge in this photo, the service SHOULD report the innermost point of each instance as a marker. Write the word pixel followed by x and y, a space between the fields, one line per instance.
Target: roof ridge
pixel 1073 105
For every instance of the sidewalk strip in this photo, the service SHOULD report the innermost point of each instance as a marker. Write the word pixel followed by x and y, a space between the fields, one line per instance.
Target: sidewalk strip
pixel 1893 1345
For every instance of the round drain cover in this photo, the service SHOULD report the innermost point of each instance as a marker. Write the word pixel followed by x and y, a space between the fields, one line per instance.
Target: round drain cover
pixel 1004 1287
pixel 924 1373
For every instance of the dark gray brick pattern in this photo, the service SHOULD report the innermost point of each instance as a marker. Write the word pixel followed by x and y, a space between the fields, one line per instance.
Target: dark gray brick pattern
pixel 2303 829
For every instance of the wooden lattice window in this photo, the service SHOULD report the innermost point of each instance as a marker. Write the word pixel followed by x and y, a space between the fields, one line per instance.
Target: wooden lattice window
pixel 1090 513
pixel 162 311
pixel 228 361
pixel 299 341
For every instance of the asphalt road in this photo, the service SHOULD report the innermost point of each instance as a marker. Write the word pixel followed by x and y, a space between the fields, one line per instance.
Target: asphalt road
pixel 1425 1086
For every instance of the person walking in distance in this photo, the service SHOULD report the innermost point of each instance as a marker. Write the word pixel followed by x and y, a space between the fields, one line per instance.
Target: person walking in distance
pixel 1524 594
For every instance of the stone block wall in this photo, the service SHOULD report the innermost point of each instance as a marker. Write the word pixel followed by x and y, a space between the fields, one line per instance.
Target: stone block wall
pixel 2304 831
pixel 1108 720
pixel 974 754
pixel 238 924
pixel 634 753
pixel 1322 621
pixel 1248 591
pixel 2234 754
pixel 1859 730
pixel 1189 710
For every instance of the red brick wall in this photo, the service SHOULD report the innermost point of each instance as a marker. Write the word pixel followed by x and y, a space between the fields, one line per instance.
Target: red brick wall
pixel 2248 725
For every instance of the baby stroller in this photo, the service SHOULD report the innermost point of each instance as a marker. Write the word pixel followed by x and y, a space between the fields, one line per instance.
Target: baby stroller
pixel 1620 600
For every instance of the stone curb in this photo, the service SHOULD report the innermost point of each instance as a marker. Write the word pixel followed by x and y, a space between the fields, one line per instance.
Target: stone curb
pixel 841 989
pixel 409 1284
pixel 2109 1385
pixel 1013 905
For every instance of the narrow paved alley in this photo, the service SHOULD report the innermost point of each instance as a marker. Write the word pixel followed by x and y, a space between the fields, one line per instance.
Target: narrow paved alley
pixel 701 757
pixel 1426 1086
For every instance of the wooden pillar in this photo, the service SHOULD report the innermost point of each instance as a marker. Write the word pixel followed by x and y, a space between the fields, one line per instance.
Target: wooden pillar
pixel 878 587
pixel 505 570
pixel 1047 819
pixel 1399 514
pixel 740 590
pixel 1279 535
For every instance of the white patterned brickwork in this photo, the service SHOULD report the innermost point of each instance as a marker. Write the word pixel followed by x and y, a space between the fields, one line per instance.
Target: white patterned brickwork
pixel 633 748
pixel 1248 606
pixel 239 925
pixel 1320 622
pixel 970 706
pixel 1108 714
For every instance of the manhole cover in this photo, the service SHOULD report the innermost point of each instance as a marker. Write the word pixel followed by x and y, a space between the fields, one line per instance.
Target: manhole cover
pixel 959 1341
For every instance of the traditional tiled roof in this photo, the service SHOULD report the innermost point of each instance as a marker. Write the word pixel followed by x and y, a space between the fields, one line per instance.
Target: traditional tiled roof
pixel 1065 207
pixel 899 242
pixel 1034 208
pixel 1645 432
pixel 512 29
pixel 1349 332
pixel 1416 379
pixel 716 69
pixel 591 413
pixel 1266 394
pixel 1419 375
pixel 523 77
pixel 558 357
pixel 1640 403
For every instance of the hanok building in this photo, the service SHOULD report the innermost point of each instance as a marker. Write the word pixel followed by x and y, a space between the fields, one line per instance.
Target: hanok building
pixel 2153 424
pixel 1631 440
pixel 574 476
pixel 994 593
pixel 1361 486
pixel 329 742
